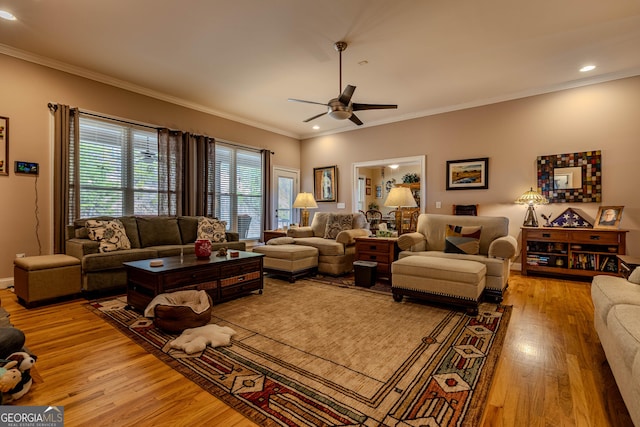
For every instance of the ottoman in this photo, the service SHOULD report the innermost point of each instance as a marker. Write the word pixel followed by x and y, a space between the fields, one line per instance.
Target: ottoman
pixel 289 260
pixel 43 278
pixel 444 280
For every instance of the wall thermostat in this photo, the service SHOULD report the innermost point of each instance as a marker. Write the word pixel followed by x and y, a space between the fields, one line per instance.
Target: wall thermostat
pixel 26 167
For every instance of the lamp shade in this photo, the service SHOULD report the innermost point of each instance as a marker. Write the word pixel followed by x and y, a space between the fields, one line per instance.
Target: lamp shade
pixel 532 198
pixel 400 197
pixel 305 200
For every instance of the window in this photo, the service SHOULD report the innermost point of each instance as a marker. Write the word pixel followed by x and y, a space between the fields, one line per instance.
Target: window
pixel 117 168
pixel 238 189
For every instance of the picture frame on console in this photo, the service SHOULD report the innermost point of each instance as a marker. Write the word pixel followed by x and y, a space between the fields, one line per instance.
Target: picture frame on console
pixel 468 174
pixel 609 217
pixel 4 145
pixel 325 185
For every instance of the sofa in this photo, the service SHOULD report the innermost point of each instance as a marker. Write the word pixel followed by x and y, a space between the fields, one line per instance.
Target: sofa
pixel 333 235
pixel 616 304
pixel 496 248
pixel 149 237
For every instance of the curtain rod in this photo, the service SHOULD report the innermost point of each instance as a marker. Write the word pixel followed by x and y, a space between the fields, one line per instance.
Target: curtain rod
pixel 54 107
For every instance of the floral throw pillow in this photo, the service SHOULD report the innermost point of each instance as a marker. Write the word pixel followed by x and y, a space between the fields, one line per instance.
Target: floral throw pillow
pixel 111 234
pixel 212 229
pixel 462 240
pixel 337 223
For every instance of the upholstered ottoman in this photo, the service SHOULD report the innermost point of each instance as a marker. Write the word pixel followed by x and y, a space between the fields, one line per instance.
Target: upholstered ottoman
pixel 37 279
pixel 451 281
pixel 288 260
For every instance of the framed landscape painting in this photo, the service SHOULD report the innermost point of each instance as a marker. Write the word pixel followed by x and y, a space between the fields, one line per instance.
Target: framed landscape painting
pixel 469 174
pixel 325 185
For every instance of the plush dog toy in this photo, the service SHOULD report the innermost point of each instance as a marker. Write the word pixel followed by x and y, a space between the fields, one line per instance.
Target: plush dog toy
pixel 25 362
pixel 9 376
pixel 194 340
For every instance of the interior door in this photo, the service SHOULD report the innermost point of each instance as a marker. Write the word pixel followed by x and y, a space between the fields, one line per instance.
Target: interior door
pixel 285 188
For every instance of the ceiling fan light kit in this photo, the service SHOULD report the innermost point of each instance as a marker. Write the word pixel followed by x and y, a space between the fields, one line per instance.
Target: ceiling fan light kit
pixel 342 108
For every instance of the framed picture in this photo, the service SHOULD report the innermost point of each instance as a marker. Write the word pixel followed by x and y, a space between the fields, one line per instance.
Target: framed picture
pixel 4 146
pixel 469 174
pixel 325 185
pixel 368 182
pixel 609 217
pixel 368 191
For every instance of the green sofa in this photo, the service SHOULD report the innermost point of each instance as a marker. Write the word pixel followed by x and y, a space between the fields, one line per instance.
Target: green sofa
pixel 150 237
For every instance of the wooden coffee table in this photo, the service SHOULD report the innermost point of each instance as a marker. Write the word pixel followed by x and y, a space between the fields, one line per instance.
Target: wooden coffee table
pixel 222 277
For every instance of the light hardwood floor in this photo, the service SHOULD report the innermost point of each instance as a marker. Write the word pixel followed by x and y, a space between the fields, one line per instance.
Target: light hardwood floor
pixel 552 369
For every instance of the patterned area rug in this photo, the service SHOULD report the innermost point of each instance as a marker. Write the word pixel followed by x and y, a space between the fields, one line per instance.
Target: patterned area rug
pixel 313 354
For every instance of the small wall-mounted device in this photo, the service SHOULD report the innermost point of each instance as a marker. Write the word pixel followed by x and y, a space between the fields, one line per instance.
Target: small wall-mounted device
pixel 26 167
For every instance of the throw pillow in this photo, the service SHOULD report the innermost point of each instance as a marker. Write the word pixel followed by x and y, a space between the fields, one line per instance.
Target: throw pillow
pixel 337 223
pixel 212 229
pixel 462 240
pixel 110 234
pixel 634 277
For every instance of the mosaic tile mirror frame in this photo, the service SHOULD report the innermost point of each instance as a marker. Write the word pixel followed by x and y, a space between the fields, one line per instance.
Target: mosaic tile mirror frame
pixel 560 187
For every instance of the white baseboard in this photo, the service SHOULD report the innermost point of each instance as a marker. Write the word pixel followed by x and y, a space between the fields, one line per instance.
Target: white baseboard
pixel 6 283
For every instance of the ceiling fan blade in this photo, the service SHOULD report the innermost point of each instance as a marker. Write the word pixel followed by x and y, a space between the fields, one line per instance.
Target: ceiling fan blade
pixel 355 120
pixel 360 107
pixel 314 117
pixel 346 95
pixel 307 102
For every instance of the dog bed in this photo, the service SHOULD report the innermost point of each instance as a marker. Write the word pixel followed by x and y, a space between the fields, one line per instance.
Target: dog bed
pixel 177 311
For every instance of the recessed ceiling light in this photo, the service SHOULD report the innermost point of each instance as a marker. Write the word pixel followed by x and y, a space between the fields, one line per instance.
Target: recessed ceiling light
pixel 6 15
pixel 587 68
pixel 315 127
pixel 394 166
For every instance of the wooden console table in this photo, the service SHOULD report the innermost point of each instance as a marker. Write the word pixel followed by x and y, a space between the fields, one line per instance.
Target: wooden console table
pixel 583 252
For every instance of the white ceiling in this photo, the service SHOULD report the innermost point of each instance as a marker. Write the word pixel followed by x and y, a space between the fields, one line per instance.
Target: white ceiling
pixel 242 59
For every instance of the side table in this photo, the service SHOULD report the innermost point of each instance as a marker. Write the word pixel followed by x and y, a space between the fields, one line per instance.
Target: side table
pixel 627 264
pixel 383 250
pixel 272 234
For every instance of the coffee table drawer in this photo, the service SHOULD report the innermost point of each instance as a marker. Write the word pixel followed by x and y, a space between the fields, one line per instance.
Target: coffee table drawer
pixel 235 290
pixel 235 280
pixel 180 279
pixel 239 268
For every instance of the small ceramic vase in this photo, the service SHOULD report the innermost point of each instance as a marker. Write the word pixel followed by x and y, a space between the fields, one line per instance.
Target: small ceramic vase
pixel 203 248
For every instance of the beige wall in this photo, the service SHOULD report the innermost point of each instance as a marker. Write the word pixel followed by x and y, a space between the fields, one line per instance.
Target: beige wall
pixel 27 88
pixel 511 134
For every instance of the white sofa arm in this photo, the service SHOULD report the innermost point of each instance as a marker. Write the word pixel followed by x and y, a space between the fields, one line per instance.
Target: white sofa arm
pixel 505 247
pixel 348 237
pixel 412 242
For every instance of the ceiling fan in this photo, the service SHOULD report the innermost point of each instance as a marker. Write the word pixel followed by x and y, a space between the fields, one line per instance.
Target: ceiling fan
pixel 341 108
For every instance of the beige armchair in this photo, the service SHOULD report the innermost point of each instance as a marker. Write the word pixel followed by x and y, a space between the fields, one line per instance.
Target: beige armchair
pixel 496 247
pixel 333 234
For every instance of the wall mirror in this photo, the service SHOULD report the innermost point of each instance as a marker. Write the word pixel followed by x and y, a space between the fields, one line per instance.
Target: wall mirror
pixel 571 178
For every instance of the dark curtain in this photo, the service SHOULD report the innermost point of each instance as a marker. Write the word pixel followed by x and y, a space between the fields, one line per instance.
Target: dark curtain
pixel 171 172
pixel 267 205
pixel 65 173
pixel 204 148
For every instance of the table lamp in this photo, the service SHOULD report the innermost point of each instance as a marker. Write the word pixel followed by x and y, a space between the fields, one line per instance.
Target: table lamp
pixel 400 197
pixel 531 198
pixel 305 201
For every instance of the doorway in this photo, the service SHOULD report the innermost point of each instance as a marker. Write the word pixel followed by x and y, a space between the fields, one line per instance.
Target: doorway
pixel 285 187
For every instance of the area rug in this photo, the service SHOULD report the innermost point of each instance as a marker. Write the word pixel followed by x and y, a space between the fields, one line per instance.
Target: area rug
pixel 313 354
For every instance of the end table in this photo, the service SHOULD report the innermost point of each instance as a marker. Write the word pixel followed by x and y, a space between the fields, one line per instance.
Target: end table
pixel 272 234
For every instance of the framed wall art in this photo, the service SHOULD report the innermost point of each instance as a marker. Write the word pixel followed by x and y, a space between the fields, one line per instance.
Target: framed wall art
pixel 609 217
pixel 571 177
pixel 4 146
pixel 325 185
pixel 469 174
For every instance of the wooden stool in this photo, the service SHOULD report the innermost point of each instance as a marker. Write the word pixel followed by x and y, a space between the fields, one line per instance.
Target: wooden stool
pixel 43 278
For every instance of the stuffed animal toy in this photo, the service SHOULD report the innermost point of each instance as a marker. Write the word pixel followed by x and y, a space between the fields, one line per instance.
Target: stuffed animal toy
pixel 25 362
pixel 194 340
pixel 9 376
